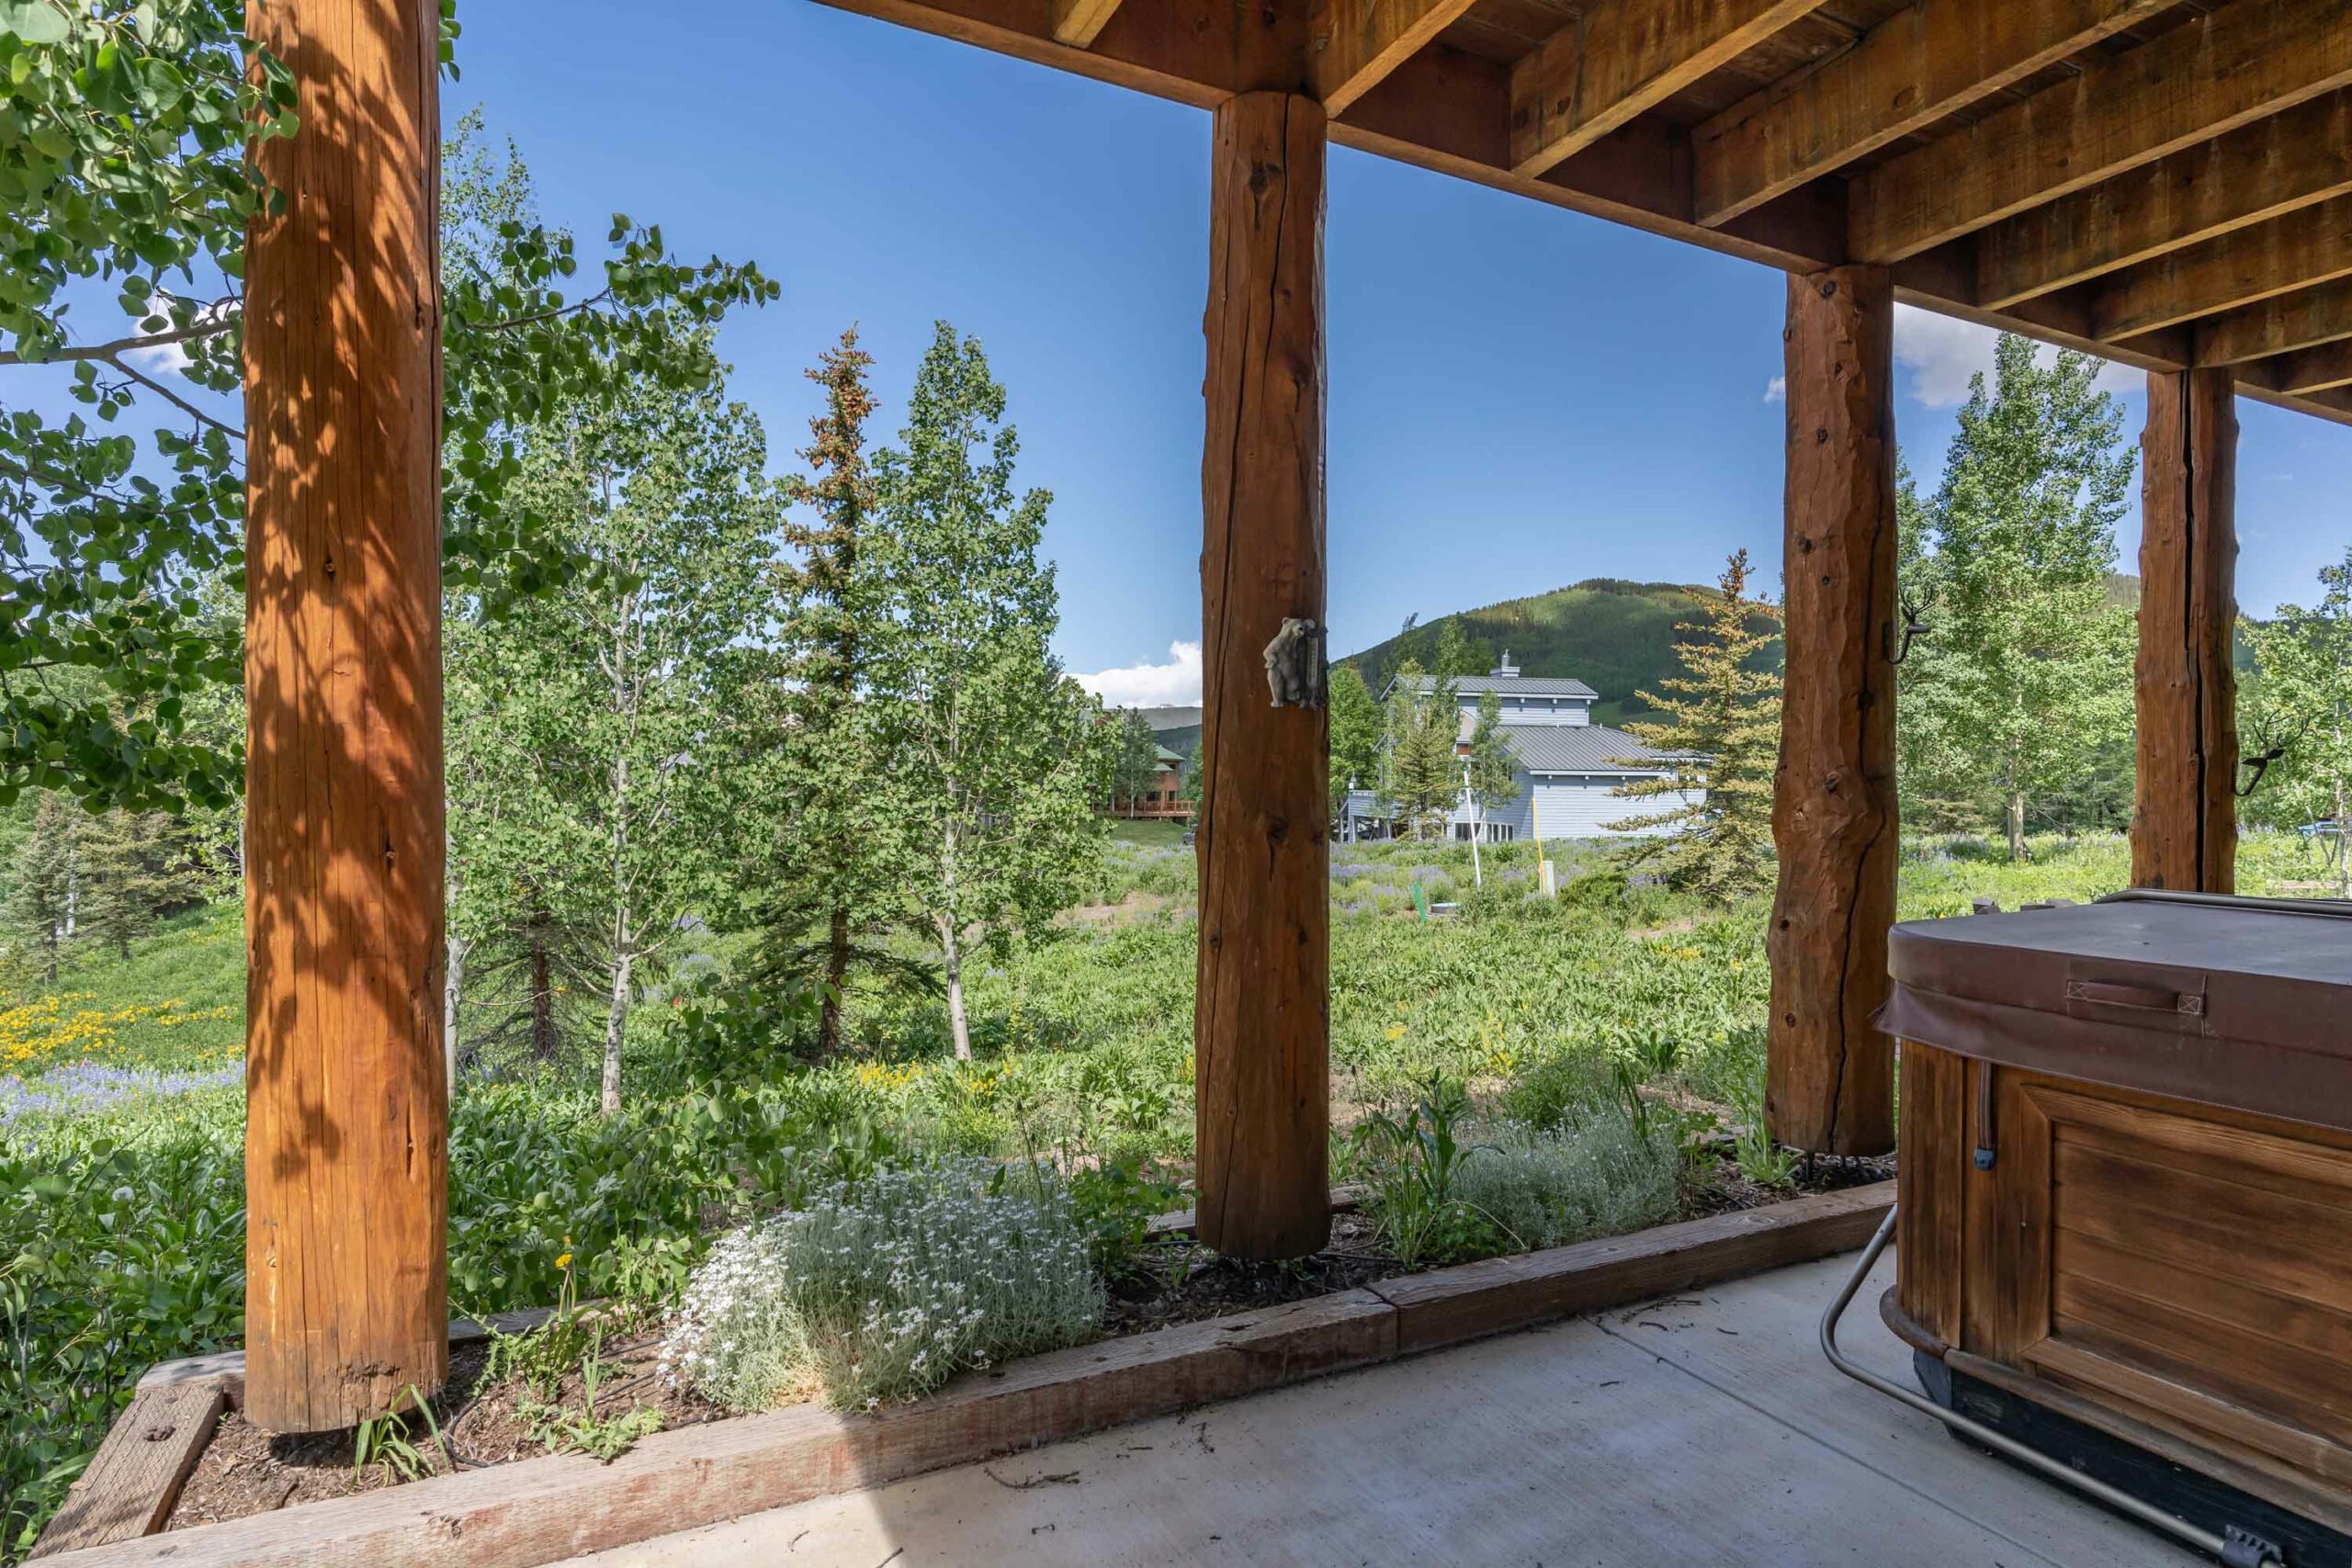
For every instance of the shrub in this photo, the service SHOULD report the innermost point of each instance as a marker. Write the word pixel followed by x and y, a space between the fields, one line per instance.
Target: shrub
pixel 1603 1178
pixel 884 1290
pixel 1559 1089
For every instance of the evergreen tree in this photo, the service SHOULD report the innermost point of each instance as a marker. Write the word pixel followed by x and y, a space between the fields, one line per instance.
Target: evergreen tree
pixel 131 869
pixel 1189 791
pixel 839 865
pixel 1719 725
pixel 1459 655
pixel 994 750
pixel 40 900
pixel 2023 681
pixel 1424 777
pixel 1355 735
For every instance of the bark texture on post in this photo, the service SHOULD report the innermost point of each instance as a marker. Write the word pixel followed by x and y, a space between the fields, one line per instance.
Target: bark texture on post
pixel 1262 1023
pixel 2184 814
pixel 346 1117
pixel 1830 1084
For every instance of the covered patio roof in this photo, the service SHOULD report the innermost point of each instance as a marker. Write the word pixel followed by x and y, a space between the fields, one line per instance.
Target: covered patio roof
pixel 2167 185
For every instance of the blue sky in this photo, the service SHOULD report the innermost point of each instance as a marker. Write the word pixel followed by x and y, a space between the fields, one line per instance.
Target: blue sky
pixel 1519 397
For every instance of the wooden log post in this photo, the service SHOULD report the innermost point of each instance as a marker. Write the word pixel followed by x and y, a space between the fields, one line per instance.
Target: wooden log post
pixel 1829 1085
pixel 1262 1020
pixel 347 1127
pixel 2184 813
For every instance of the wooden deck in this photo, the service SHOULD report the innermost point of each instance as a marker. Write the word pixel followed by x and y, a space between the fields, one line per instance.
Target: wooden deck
pixel 1699 1428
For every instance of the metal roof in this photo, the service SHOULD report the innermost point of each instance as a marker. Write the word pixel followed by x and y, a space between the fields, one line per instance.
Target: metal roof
pixel 1506 685
pixel 1578 748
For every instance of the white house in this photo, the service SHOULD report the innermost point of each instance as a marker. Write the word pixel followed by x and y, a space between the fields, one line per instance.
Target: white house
pixel 1569 767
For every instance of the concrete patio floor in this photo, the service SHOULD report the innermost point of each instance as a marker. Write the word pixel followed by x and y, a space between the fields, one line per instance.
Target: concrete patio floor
pixel 1702 1428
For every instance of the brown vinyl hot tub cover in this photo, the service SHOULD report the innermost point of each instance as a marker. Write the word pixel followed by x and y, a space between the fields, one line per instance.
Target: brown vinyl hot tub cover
pixel 2244 1003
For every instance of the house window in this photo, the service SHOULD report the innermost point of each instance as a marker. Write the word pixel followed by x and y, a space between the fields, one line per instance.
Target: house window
pixel 1495 833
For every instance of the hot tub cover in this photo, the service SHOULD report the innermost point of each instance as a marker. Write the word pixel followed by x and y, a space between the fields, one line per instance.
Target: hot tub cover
pixel 2244 1003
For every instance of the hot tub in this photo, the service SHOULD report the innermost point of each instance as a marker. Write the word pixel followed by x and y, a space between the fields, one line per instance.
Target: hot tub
pixel 2126 1195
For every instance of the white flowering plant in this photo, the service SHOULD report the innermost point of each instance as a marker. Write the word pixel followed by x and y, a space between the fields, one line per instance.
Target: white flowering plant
pixel 883 1290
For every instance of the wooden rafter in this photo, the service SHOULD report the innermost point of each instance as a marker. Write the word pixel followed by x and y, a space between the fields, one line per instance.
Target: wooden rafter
pixel 1621 57
pixel 2251 175
pixel 1075 22
pixel 1358 43
pixel 2314 316
pixel 2203 78
pixel 2309 370
pixel 1920 65
pixel 2312 245
pixel 1447 110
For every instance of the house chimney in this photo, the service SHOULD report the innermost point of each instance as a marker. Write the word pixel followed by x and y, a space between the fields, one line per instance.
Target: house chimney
pixel 1506 670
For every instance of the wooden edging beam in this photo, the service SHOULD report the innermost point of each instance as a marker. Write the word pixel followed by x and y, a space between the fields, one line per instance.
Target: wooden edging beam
pixel 2316 315
pixel 130 1487
pixel 1921 64
pixel 2209 75
pixel 545 1510
pixel 1619 58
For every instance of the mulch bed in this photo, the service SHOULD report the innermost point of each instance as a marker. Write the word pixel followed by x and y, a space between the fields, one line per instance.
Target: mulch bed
pixel 246 1470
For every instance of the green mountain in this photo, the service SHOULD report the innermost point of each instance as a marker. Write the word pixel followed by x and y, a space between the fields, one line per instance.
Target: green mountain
pixel 1616 636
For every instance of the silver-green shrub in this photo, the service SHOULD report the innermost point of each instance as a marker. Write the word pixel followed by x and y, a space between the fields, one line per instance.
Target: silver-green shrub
pixel 1601 1176
pixel 884 1290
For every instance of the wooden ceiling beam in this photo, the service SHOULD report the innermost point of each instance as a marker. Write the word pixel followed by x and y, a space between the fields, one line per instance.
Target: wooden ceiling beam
pixel 2302 319
pixel 1619 58
pixel 2197 81
pixel 2305 371
pixel 1359 43
pixel 1075 22
pixel 2250 176
pixel 2312 245
pixel 1904 75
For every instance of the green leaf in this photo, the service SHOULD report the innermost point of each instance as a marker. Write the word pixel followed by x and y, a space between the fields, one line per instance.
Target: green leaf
pixel 35 21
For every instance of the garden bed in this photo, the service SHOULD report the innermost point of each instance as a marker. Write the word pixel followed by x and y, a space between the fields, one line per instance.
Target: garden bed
pixel 245 1498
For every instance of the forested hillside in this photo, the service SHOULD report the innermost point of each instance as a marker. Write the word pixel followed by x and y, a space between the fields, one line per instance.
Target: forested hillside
pixel 1616 636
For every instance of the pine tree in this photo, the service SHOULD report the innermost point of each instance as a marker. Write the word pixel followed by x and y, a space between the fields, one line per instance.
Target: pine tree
pixel 41 902
pixel 1459 655
pixel 840 870
pixel 130 873
pixel 1424 778
pixel 1720 728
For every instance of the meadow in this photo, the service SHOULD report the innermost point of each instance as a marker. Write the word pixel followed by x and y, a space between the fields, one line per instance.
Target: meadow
pixel 120 1115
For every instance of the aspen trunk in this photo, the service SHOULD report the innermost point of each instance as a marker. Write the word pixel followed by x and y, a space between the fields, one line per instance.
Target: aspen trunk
pixel 2184 817
pixel 1830 1078
pixel 453 991
pixel 2013 820
pixel 616 1019
pixel 958 1025
pixel 1262 1017
pixel 347 1303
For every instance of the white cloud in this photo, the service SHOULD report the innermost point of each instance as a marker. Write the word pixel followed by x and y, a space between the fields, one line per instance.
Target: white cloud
pixel 1776 390
pixel 1174 684
pixel 1942 352
pixel 163 359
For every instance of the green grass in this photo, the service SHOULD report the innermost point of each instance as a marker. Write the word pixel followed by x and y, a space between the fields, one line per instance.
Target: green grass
pixel 179 1001
pixel 1161 835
